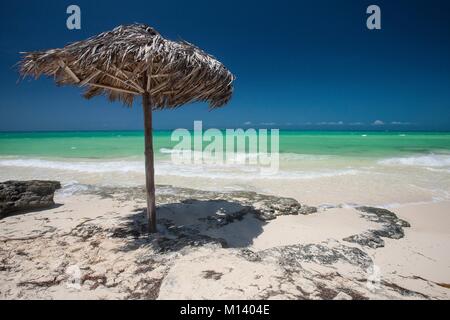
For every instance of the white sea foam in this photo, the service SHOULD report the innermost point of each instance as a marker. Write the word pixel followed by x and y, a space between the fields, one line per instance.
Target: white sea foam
pixel 438 170
pixel 247 173
pixel 285 156
pixel 300 156
pixel 81 166
pixel 70 188
pixel 432 160
pixel 167 168
pixel 166 150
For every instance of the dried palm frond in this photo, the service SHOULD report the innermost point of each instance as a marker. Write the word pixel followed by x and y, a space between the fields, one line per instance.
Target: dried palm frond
pixel 132 60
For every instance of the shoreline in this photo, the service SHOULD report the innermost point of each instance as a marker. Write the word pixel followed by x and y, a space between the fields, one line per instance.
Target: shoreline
pixel 220 245
pixel 75 188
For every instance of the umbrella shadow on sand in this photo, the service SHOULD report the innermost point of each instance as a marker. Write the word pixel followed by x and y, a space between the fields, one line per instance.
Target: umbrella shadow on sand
pixel 192 222
pixel 30 210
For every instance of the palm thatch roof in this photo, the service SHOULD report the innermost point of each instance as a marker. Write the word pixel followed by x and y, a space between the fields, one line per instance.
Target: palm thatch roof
pixel 132 60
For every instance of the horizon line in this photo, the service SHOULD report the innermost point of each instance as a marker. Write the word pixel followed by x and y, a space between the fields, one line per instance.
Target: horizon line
pixel 244 128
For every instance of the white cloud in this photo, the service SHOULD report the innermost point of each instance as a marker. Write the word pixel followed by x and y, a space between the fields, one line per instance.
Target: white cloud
pixel 356 123
pixel 400 123
pixel 247 123
pixel 331 123
pixel 378 123
pixel 267 123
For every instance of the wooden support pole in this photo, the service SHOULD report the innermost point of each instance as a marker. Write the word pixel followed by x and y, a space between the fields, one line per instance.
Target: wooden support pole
pixel 149 161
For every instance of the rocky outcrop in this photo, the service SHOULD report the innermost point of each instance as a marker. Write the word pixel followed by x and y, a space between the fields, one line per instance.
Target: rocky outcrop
pixel 390 227
pixel 21 196
pixel 293 256
pixel 264 207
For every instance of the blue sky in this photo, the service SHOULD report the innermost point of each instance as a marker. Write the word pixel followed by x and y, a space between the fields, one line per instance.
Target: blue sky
pixel 299 64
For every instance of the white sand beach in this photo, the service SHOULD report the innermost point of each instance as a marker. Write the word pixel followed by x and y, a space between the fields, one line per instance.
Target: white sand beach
pixel 93 246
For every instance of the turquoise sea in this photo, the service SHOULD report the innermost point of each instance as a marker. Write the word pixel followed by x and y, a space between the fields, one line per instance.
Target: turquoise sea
pixel 117 144
pixel 383 168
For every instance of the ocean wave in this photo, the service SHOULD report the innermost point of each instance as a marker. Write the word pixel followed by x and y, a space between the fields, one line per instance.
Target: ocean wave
pixel 432 160
pixel 305 157
pixel 81 166
pixel 167 168
pixel 247 173
pixel 70 188
pixel 284 156
pixel 438 170
pixel 166 150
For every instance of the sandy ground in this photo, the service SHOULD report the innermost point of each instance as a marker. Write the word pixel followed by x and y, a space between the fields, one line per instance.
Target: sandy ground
pixel 91 246
pixel 424 252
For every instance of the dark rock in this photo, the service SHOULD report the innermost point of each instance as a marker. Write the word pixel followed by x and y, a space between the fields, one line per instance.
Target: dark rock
pixel 250 255
pixel 211 274
pixel 390 227
pixel 266 207
pixel 403 291
pixel 292 256
pixel 21 196
pixel 366 239
pixel 165 244
pixel 218 221
pixel 381 215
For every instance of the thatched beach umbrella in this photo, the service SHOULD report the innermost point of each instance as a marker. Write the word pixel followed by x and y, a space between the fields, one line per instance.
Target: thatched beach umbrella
pixel 132 61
